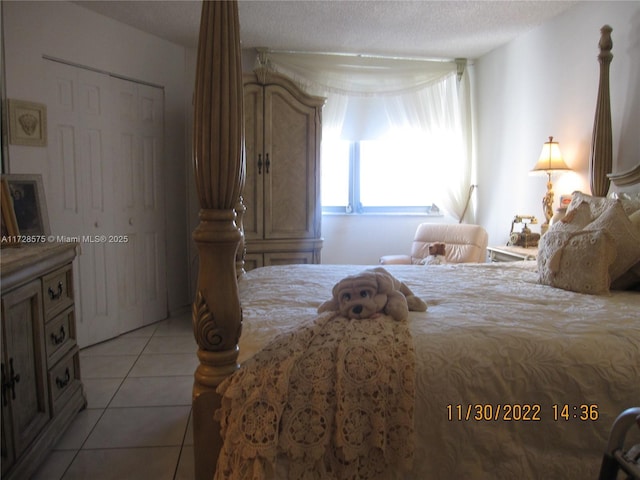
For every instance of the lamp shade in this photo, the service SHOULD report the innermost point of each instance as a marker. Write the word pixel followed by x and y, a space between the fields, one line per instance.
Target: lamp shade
pixel 550 158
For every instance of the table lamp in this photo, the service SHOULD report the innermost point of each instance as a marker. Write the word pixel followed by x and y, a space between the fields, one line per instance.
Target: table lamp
pixel 550 161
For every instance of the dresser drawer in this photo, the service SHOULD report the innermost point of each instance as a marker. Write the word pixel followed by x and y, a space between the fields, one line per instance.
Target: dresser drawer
pixel 57 292
pixel 64 379
pixel 60 335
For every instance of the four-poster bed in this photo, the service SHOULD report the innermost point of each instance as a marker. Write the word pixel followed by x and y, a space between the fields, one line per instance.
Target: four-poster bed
pixel 547 353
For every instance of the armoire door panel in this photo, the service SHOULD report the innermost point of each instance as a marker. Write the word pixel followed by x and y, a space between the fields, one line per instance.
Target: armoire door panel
pixel 290 143
pixel 253 138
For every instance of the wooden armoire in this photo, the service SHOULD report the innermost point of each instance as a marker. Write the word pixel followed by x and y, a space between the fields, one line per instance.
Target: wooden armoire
pixel 283 127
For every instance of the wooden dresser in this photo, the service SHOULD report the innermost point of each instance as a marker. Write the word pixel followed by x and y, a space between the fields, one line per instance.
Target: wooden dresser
pixel 41 387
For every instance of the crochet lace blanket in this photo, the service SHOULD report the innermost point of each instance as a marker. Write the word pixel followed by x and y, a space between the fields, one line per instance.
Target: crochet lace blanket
pixel 334 398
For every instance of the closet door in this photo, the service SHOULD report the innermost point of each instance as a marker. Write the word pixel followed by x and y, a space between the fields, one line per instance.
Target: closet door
pixel 105 188
pixel 79 188
pixel 140 203
pixel 290 133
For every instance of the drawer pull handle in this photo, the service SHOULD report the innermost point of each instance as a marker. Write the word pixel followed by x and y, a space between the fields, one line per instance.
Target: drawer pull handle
pixel 58 339
pixel 65 381
pixel 55 295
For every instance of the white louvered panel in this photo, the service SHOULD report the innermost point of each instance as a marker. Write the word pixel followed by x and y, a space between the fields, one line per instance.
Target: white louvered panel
pixel 127 106
pixel 151 266
pixel 127 274
pixel 99 275
pixel 93 150
pixel 149 160
pixel 90 96
pixel 68 161
pixel 127 163
pixel 147 109
pixel 64 98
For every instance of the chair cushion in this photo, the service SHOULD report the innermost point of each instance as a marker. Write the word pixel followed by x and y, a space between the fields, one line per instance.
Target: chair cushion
pixel 464 243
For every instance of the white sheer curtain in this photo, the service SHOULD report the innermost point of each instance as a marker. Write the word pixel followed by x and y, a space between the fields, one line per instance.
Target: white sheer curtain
pixel 442 114
pixel 431 96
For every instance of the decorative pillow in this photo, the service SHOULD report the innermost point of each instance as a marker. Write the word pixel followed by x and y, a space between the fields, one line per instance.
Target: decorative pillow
pixel 576 219
pixel 625 236
pixel 576 261
pixel 596 205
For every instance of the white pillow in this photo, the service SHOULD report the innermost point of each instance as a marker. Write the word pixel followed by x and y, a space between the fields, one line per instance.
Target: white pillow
pixel 625 236
pixel 576 261
pixel 596 205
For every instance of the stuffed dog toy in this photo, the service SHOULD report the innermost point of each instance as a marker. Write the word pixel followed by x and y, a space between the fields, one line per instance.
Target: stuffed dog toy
pixel 436 254
pixel 372 293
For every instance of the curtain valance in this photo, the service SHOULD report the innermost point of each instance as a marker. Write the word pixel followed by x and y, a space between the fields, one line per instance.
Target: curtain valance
pixel 357 75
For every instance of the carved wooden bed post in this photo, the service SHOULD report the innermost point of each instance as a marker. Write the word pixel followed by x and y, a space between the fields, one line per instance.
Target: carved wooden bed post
pixel 219 172
pixel 600 161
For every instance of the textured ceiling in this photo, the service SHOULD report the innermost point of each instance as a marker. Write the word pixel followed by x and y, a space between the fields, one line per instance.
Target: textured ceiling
pixel 418 28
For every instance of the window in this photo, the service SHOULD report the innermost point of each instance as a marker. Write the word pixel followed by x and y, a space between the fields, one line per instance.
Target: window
pixel 390 174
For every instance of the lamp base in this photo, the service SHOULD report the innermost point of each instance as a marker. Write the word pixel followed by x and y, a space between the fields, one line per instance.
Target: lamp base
pixel 547 201
pixel 543 228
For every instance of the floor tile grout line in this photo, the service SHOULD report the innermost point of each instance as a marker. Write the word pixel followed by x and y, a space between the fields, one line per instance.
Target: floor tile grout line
pixel 104 410
pixel 182 445
pixel 122 379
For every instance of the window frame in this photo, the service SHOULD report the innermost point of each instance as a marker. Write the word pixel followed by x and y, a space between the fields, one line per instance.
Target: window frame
pixel 355 207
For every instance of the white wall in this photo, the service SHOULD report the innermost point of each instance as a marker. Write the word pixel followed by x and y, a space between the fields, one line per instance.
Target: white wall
pixel 545 83
pixel 66 31
pixel 363 239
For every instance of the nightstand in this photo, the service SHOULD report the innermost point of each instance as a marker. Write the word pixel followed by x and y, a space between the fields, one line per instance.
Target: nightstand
pixel 511 254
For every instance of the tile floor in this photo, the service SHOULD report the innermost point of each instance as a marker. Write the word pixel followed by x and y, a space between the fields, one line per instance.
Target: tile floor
pixel 137 422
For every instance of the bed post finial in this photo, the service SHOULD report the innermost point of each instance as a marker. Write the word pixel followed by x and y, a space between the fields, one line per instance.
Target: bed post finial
pixel 219 177
pixel 600 161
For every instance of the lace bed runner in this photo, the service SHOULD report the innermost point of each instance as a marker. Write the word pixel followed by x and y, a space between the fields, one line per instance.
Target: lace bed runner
pixel 333 399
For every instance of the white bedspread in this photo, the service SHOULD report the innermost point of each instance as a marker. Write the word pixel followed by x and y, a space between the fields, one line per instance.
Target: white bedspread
pixel 493 348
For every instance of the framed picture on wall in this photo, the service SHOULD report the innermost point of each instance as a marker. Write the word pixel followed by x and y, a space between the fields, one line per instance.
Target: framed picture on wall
pixel 27 123
pixel 29 205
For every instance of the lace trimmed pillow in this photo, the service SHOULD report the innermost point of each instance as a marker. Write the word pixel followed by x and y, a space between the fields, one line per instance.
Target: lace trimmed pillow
pixel 597 205
pixel 625 236
pixel 576 261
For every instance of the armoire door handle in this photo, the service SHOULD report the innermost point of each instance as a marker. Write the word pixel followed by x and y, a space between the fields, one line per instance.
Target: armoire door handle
pixel 267 164
pixel 259 164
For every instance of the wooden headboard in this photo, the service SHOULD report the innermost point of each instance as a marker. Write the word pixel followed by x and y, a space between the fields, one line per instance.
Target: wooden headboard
pixel 219 171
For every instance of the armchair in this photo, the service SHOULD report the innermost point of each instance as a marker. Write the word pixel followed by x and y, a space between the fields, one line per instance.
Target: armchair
pixel 464 244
